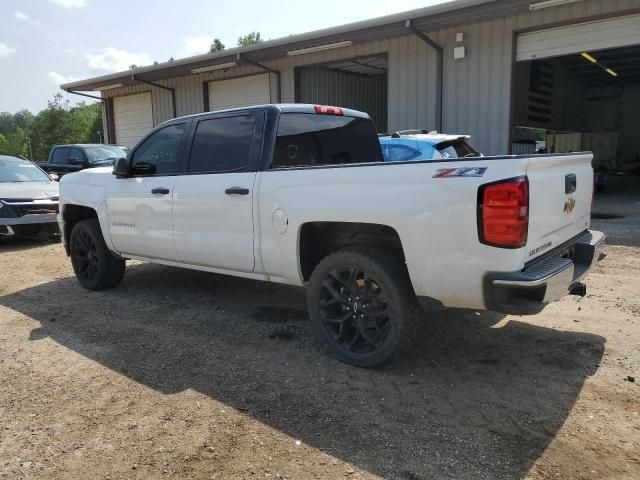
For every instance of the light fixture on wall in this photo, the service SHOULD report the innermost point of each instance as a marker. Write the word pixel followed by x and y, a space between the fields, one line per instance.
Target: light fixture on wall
pixel 319 48
pixel 595 61
pixel 210 68
pixel 109 87
pixel 550 3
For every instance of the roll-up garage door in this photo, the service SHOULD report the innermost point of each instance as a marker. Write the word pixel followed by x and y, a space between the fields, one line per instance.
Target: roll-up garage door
pixel 585 37
pixel 133 118
pixel 239 92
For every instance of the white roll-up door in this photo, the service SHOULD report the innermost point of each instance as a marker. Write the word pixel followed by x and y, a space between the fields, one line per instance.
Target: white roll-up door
pixel 239 92
pixel 133 118
pixel 584 37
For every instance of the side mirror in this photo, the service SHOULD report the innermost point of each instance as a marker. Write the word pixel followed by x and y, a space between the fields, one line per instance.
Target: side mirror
pixel 54 177
pixel 121 168
pixel 78 162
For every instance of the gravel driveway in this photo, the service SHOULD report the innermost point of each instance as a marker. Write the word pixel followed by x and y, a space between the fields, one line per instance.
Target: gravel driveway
pixel 185 374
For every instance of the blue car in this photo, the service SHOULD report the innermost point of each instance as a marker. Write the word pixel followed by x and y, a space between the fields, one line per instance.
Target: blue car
pixel 418 145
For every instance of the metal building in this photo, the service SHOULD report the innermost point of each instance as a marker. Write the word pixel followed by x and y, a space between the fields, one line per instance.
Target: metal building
pixel 514 74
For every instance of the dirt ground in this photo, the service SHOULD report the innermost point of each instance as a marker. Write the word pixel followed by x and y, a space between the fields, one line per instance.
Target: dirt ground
pixel 184 374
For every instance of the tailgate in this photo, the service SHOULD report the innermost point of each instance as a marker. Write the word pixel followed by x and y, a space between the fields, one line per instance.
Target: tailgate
pixel 560 196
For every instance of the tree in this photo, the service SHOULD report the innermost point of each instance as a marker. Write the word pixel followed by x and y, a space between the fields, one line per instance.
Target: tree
pixel 216 45
pixel 7 123
pixel 15 144
pixel 249 39
pixel 59 123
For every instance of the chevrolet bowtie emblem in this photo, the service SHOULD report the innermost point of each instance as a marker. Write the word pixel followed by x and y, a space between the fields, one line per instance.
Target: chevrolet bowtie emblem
pixel 569 206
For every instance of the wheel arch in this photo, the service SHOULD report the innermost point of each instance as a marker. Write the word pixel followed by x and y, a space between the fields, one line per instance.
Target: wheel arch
pixel 71 215
pixel 316 240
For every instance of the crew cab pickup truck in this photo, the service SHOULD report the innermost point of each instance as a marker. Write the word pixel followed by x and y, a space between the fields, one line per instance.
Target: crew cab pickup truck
pixel 65 159
pixel 301 195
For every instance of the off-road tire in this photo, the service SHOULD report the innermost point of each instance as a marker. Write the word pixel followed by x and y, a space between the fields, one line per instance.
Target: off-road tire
pixel 96 268
pixel 380 269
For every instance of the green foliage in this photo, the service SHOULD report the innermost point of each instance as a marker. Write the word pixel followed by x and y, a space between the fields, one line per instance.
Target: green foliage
pixel 216 45
pixel 59 123
pixel 249 39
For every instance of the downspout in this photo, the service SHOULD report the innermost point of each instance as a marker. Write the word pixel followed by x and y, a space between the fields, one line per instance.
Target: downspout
pixel 105 111
pixel 164 87
pixel 267 69
pixel 440 67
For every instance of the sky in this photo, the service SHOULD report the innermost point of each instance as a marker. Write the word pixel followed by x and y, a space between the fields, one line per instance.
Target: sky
pixel 44 43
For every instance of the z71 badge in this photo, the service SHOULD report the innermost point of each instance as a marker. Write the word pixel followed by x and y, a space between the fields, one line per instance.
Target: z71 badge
pixel 460 172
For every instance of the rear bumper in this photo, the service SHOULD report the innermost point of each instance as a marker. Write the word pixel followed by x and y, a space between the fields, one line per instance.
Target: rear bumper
pixel 527 292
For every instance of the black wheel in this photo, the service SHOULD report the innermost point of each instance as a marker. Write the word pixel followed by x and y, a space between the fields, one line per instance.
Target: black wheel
pixel 361 305
pixel 96 268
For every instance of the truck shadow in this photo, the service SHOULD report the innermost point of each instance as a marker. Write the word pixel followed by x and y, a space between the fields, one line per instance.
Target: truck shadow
pixel 475 399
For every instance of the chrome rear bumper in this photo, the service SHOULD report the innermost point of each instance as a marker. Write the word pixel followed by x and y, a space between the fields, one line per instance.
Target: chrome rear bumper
pixel 527 292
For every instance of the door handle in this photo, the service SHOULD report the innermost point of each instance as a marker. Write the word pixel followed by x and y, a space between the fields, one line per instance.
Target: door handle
pixel 160 191
pixel 237 191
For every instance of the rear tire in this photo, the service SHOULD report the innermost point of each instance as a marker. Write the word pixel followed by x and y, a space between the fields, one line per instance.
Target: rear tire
pixel 96 268
pixel 362 305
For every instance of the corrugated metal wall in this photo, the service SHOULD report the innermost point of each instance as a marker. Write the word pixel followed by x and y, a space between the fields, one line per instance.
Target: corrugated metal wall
pixel 476 90
pixel 367 93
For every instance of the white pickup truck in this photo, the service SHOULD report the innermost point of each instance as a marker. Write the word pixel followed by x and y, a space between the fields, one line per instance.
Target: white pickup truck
pixel 300 194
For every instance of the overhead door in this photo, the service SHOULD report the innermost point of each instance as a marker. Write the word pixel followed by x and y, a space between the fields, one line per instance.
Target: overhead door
pixel 585 37
pixel 239 92
pixel 133 118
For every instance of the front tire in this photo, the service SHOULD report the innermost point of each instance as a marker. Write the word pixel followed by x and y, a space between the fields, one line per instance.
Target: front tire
pixel 96 268
pixel 362 305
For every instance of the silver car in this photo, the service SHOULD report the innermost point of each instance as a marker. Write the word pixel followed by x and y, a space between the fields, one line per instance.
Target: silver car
pixel 28 199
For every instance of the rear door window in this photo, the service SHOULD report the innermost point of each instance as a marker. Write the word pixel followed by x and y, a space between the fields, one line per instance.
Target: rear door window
pixel 60 155
pixel 223 145
pixel 307 140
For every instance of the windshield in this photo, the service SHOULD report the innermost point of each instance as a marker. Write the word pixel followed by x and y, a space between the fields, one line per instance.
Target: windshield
pixel 105 152
pixel 15 170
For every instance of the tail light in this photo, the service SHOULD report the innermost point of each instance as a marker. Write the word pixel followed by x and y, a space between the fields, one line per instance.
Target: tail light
pixel 327 110
pixel 503 213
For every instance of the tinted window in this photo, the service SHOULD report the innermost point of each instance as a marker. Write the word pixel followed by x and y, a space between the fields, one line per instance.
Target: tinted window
pixel 76 153
pixel 399 153
pixel 456 149
pixel 159 154
pixel 222 144
pixel 60 155
pixel 308 140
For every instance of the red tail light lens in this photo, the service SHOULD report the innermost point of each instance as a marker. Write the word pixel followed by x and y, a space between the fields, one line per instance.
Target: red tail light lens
pixel 327 110
pixel 503 213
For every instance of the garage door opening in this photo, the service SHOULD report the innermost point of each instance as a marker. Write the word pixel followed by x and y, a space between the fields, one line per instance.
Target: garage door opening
pixel 587 100
pixel 358 83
